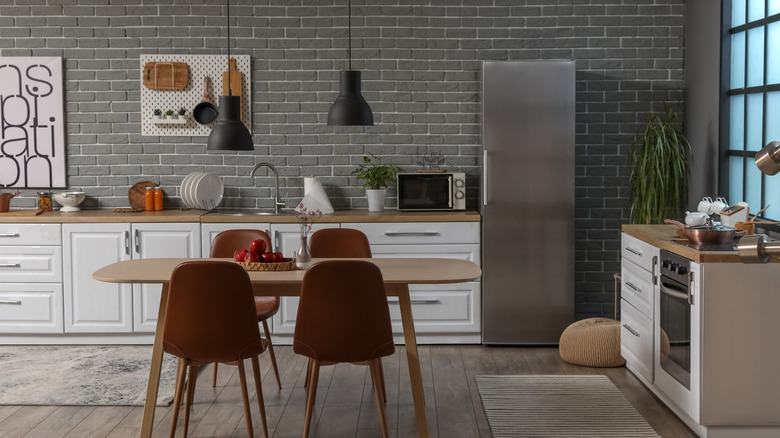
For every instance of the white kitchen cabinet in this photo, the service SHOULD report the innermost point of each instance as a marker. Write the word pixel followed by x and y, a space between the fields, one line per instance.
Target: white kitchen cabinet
pixel 286 239
pixel 443 313
pixel 31 300
pixel 210 230
pixel 98 307
pixel 638 287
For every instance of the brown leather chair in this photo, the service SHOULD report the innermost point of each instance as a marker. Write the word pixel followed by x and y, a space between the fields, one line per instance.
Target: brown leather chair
pixel 339 243
pixel 209 318
pixel 225 244
pixel 343 316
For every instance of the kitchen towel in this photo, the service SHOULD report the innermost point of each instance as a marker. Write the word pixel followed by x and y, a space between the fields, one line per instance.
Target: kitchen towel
pixel 314 197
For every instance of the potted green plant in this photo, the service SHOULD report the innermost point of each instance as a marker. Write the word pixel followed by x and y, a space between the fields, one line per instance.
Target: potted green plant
pixel 169 114
pixel 157 113
pixel 658 185
pixel 375 178
pixel 182 112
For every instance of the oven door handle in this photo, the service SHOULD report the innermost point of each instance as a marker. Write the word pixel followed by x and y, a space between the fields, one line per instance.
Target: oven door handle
pixel 674 293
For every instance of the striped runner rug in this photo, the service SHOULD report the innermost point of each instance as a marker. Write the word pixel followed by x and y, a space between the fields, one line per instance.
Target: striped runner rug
pixel 558 406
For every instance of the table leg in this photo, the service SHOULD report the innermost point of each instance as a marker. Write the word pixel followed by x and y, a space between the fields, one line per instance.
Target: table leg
pixel 415 376
pixel 156 368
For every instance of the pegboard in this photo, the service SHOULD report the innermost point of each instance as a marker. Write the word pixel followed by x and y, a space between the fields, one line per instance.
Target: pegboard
pixel 200 66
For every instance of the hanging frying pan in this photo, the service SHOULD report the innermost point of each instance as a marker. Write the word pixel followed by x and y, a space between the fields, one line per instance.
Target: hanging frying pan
pixel 205 112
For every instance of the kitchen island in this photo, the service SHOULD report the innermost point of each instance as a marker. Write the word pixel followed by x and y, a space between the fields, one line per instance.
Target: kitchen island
pixel 720 320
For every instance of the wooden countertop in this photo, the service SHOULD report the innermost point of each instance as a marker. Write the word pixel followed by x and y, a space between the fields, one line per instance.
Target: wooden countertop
pixel 103 216
pixel 665 237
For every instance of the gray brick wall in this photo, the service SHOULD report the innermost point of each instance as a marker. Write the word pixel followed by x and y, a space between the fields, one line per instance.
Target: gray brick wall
pixel 421 65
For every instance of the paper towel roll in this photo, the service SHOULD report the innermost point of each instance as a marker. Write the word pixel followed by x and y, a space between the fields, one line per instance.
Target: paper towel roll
pixel 315 197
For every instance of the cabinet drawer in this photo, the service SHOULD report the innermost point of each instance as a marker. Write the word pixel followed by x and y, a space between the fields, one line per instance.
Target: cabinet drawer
pixel 418 232
pixel 638 252
pixel 31 308
pixel 452 308
pixel 636 340
pixel 637 287
pixel 30 234
pixel 38 264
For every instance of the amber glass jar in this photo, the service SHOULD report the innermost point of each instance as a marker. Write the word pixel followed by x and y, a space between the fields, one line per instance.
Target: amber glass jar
pixel 158 199
pixel 44 201
pixel 149 199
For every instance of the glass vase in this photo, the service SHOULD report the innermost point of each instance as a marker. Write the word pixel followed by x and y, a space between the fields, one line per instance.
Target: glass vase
pixel 303 256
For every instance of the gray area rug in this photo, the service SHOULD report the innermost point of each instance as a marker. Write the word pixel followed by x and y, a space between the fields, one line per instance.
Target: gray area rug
pixel 81 375
pixel 558 406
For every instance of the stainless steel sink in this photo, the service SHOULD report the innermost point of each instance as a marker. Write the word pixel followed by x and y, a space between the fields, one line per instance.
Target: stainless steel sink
pixel 251 212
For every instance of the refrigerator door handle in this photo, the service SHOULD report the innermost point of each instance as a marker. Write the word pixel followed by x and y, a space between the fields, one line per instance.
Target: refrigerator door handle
pixel 484 177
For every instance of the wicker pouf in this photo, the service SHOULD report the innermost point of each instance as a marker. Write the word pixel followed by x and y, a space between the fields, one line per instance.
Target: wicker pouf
pixel 592 342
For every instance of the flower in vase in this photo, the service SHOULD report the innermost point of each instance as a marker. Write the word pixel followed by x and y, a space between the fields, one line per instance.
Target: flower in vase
pixel 306 218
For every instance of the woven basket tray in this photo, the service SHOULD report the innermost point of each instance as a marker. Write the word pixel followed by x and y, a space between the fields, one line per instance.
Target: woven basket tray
pixel 286 265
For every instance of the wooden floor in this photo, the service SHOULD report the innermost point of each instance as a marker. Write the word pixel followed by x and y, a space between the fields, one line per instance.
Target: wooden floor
pixel 345 402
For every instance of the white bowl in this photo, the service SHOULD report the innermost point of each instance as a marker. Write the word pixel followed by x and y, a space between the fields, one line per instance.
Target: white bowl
pixel 69 200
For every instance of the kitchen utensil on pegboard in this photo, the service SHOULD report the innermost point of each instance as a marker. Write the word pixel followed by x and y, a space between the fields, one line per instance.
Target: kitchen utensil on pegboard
pixel 166 75
pixel 205 112
pixel 233 84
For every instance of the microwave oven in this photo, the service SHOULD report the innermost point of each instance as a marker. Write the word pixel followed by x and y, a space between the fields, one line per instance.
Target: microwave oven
pixel 431 191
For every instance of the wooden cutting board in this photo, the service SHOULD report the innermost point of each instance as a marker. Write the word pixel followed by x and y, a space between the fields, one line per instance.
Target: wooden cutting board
pixel 166 75
pixel 137 193
pixel 234 82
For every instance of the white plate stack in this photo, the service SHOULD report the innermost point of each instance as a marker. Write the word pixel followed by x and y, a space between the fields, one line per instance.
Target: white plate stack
pixel 202 190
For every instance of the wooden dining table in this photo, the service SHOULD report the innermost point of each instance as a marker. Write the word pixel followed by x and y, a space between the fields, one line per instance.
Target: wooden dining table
pixel 398 274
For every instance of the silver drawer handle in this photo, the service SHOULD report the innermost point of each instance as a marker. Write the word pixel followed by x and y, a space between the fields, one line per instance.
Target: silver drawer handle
pixel 425 233
pixel 419 301
pixel 632 286
pixel 10 302
pixel 633 251
pixel 632 331
pixel 10 265
pixel 10 235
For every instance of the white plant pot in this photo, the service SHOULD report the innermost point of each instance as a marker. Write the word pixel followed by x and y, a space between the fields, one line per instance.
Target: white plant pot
pixel 376 199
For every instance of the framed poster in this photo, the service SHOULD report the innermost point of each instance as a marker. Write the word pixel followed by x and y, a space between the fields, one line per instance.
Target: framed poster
pixel 32 136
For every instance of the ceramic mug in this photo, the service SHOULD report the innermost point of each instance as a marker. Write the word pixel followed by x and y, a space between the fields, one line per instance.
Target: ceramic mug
pixel 718 205
pixel 705 204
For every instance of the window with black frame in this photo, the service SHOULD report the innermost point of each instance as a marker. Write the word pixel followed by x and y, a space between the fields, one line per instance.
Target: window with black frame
pixel 752 71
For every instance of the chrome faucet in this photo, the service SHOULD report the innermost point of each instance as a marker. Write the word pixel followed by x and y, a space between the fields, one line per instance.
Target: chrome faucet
pixel 278 203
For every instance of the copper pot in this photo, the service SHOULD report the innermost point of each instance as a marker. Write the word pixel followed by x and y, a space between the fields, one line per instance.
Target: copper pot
pixel 5 201
pixel 706 234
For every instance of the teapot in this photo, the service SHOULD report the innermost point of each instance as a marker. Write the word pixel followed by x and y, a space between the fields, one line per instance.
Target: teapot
pixel 696 218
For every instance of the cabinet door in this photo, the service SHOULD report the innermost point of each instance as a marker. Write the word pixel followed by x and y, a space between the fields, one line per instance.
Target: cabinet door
pixel 154 240
pixel 287 239
pixel 209 230
pixel 93 306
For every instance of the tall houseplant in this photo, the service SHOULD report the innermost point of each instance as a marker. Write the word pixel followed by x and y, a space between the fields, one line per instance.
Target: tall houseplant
pixel 375 178
pixel 659 157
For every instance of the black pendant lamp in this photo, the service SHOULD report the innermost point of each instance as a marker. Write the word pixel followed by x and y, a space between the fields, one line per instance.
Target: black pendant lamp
pixel 230 133
pixel 350 108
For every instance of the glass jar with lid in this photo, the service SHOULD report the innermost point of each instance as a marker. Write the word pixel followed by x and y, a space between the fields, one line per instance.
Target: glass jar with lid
pixel 44 201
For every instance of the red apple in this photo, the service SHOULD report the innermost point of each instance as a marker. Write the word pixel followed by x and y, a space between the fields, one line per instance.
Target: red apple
pixel 252 256
pixel 279 257
pixel 268 257
pixel 239 255
pixel 257 246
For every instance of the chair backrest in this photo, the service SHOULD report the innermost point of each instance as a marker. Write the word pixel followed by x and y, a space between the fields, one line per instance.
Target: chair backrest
pixel 343 314
pixel 210 315
pixel 339 243
pixel 226 243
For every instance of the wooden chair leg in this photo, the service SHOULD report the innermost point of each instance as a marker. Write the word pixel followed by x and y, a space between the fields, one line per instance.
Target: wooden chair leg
pixel 259 390
pixel 311 395
pixel 375 367
pixel 214 380
pixel 308 374
pixel 181 376
pixel 191 380
pixel 382 379
pixel 245 397
pixel 271 353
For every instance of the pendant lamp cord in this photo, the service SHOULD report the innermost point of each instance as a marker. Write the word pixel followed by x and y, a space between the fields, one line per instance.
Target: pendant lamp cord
pixel 349 33
pixel 230 88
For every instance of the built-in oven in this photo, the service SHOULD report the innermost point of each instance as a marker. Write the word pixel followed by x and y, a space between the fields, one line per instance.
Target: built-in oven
pixel 677 332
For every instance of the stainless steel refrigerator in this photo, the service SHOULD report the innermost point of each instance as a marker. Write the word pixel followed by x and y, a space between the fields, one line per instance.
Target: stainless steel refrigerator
pixel 527 201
